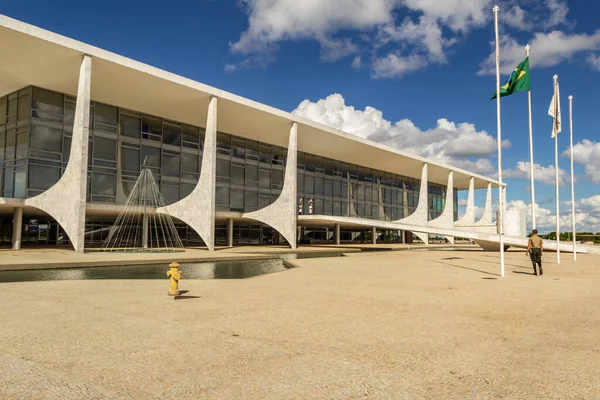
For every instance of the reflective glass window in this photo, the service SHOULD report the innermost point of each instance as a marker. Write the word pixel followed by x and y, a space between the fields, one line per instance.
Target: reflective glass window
pixel 223 168
pixel 48 105
pixel 103 184
pixel 106 117
pixel 20 184
pixel 237 174
pixel 237 200
pixel 264 177
pixel 105 149
pixel 45 138
pixel 24 107
pixel 43 177
pixel 170 165
pixel 222 196
pixel 2 110
pixel 172 134
pixel 190 162
pixel 151 155
pixel 151 125
pixel 130 159
pixel 130 126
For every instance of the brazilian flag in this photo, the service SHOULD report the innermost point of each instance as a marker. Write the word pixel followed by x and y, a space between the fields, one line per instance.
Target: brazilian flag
pixel 518 81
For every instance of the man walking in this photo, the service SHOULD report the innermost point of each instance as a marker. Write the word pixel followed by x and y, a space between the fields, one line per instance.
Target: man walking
pixel 535 250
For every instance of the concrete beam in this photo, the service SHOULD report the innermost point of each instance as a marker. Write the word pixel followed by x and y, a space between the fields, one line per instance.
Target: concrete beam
pixel 17 226
pixel 198 208
pixel 66 200
pixel 281 214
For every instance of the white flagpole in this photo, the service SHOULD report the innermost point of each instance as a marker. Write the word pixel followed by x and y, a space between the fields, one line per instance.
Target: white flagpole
pixel 574 238
pixel 556 100
pixel 500 186
pixel 531 169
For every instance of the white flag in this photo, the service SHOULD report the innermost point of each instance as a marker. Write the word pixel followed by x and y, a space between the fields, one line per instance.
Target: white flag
pixel 554 111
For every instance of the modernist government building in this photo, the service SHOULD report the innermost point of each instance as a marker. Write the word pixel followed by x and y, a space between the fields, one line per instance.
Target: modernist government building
pixel 78 122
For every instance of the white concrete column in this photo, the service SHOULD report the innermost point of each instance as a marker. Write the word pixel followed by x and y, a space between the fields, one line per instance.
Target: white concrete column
pixel 66 200
pixel 374 235
pixel 198 208
pixel 421 215
pixel 17 226
pixel 469 217
pixel 403 234
pixel 282 214
pixel 487 217
pixel 337 234
pixel 230 232
pixel 446 220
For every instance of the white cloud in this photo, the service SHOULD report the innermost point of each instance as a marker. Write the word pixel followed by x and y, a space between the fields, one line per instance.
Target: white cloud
pixel 587 215
pixel 334 23
pixel 542 174
pixel 395 65
pixel 594 61
pixel 357 62
pixel 461 145
pixel 587 153
pixel 558 13
pixel 547 50
pixel 230 67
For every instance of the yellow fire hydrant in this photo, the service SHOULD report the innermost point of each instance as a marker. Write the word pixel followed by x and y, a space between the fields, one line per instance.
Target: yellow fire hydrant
pixel 175 274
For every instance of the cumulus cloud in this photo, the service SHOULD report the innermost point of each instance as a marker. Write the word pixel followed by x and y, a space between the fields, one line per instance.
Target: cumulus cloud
pixel 459 144
pixel 332 24
pixel 402 36
pixel 587 153
pixel 594 61
pixel 549 49
pixel 587 215
pixel 542 174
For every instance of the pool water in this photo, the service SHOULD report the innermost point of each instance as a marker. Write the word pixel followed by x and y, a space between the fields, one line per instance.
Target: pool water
pixel 201 270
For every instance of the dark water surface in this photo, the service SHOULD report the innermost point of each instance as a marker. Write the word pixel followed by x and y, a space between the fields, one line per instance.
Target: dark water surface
pixel 201 270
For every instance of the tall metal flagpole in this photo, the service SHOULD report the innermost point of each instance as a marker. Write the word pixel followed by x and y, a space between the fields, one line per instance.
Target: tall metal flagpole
pixel 556 116
pixel 500 186
pixel 572 180
pixel 531 169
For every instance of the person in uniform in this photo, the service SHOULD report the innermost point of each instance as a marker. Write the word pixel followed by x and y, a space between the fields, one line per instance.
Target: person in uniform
pixel 535 250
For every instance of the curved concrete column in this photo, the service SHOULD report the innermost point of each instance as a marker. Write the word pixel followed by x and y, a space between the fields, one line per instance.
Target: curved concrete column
pixel 281 214
pixel 487 217
pixel 198 208
pixel 421 215
pixel 66 200
pixel 446 220
pixel 469 217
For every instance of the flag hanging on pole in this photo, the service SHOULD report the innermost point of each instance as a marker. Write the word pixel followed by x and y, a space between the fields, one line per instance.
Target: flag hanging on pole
pixel 518 81
pixel 554 111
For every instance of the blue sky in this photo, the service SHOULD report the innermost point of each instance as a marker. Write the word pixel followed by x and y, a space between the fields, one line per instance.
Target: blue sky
pixel 414 61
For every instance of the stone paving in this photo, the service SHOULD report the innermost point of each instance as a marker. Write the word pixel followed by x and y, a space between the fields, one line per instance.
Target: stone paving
pixel 395 325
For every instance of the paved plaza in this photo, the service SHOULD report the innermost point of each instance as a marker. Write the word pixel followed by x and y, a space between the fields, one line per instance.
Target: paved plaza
pixel 394 325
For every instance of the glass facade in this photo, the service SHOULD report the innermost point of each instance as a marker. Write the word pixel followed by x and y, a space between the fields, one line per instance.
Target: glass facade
pixel 36 127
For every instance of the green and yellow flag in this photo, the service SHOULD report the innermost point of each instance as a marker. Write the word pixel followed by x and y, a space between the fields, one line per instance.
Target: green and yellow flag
pixel 518 81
